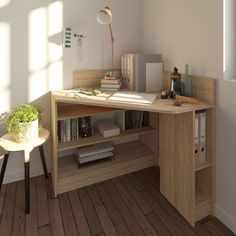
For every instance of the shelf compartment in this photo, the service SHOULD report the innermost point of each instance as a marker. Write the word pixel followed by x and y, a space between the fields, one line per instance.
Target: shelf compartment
pixel 129 157
pixel 69 111
pixel 203 185
pixel 200 165
pixel 98 138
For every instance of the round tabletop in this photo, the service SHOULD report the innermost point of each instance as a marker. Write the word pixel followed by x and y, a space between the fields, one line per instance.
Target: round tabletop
pixel 8 143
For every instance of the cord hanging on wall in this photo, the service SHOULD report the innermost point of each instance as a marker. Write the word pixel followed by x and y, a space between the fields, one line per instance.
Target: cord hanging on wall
pixel 79 45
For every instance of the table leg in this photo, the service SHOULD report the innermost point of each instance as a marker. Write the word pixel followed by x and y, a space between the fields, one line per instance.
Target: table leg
pixel 27 187
pixel 43 161
pixel 4 165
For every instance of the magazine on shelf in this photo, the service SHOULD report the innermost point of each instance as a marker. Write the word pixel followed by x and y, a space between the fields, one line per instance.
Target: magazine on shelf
pixel 95 149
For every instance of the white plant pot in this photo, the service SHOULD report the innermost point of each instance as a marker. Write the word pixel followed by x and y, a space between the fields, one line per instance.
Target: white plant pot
pixel 29 130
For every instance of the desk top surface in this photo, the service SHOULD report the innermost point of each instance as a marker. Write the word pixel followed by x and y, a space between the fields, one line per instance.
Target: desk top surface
pixel 159 105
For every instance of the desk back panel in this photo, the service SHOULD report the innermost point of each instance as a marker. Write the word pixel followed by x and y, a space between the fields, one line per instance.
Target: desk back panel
pixel 203 88
pixel 88 78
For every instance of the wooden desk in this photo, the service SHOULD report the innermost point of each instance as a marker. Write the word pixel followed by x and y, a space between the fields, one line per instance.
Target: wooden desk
pixel 169 142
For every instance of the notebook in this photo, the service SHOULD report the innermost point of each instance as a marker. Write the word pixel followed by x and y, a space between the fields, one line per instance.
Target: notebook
pixel 135 97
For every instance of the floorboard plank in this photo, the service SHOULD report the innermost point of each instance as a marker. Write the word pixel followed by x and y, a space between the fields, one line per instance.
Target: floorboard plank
pixel 135 210
pixel 43 211
pixel 45 230
pixel 31 219
pixel 94 196
pixel 137 184
pixel 80 218
pixel 222 227
pixel 2 199
pixel 158 225
pixel 143 205
pixel 94 223
pixel 212 228
pixel 200 228
pixel 106 222
pixel 67 216
pixel 129 219
pixel 54 212
pixel 19 214
pixel 171 211
pixel 8 210
pixel 124 206
pixel 114 214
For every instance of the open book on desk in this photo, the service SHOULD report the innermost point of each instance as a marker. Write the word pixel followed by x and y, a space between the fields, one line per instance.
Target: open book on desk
pixel 145 98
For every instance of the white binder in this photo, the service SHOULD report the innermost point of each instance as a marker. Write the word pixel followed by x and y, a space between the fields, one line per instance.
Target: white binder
pixel 202 149
pixel 196 138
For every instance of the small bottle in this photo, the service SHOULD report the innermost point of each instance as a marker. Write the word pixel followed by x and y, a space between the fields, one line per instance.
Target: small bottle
pixel 187 80
pixel 177 87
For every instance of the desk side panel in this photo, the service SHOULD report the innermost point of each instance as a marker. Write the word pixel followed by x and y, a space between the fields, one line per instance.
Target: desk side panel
pixel 54 144
pixel 177 162
pixel 151 140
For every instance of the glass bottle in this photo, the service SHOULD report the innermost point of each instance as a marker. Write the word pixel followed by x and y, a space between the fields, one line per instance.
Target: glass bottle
pixel 177 87
pixel 187 80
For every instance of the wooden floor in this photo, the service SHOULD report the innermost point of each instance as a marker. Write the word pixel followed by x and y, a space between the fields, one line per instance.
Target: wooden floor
pixel 128 205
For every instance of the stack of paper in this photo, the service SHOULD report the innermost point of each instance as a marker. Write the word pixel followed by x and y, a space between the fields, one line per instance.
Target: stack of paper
pixel 95 152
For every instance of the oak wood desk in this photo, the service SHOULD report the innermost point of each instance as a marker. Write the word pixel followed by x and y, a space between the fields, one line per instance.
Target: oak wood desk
pixel 168 142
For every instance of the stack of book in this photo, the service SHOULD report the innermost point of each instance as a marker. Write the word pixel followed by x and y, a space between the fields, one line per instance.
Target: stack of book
pixel 110 84
pixel 95 152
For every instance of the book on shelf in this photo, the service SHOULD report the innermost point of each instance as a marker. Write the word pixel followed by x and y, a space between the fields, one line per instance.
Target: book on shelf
pixel 95 157
pixel 107 128
pixel 95 152
pixel 136 119
pixel 112 86
pixel 73 129
pixel 95 149
pixel 106 80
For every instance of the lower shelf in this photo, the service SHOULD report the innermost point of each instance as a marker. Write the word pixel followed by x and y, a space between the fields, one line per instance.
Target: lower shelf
pixel 129 157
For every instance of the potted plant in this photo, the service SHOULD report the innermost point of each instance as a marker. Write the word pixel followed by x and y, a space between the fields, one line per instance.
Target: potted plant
pixel 23 122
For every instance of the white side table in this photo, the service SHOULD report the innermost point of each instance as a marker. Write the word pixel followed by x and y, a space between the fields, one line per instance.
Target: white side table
pixel 9 145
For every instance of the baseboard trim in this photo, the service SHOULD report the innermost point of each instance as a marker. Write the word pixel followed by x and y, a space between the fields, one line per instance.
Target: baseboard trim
pixel 227 219
pixel 19 175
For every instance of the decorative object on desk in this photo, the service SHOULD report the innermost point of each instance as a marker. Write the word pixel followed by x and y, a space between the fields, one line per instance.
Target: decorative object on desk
pixel 178 102
pixel 187 99
pixel 107 128
pixel 164 93
pixel 23 122
pixel 177 87
pixel 187 80
pixel 104 17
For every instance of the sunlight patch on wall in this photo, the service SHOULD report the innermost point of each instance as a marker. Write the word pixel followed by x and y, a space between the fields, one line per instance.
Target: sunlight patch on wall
pixel 55 23
pixel 45 50
pixel 37 84
pixel 5 77
pixel 37 39
pixel 4 3
pixel 55 76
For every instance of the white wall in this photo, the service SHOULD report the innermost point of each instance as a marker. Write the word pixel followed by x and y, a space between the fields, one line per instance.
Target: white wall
pixel 189 31
pixel 31 64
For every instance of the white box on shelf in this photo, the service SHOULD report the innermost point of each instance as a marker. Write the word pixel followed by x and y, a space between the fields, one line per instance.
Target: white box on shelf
pixel 107 128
